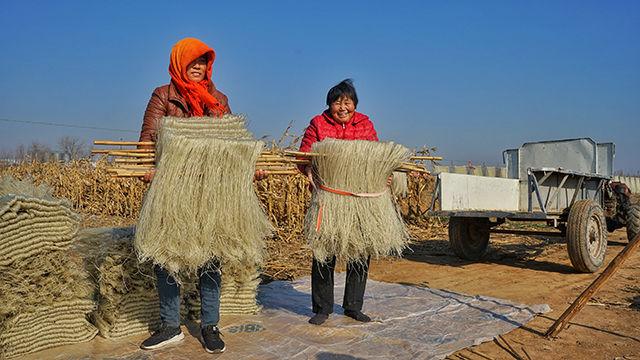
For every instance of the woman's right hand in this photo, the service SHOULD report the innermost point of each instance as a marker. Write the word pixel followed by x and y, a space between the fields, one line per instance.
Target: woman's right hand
pixel 148 177
pixel 308 170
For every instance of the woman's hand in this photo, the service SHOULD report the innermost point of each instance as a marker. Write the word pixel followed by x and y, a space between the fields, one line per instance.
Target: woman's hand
pixel 416 174
pixel 148 177
pixel 308 170
pixel 390 180
pixel 260 174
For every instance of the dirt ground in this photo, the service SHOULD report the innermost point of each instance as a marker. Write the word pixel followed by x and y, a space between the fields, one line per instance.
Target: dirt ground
pixel 533 270
pixel 529 270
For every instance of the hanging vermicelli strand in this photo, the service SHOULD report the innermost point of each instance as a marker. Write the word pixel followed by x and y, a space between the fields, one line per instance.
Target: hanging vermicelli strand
pixel 366 222
pixel 400 184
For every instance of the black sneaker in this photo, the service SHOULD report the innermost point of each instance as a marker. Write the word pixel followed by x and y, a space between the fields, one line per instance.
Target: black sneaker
pixel 213 344
pixel 318 319
pixel 164 336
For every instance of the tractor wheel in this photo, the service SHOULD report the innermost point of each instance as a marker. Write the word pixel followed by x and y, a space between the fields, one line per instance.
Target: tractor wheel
pixel 469 237
pixel 633 221
pixel 586 236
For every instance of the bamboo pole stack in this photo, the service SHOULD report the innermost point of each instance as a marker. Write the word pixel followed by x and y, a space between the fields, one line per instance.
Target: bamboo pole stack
pixel 136 162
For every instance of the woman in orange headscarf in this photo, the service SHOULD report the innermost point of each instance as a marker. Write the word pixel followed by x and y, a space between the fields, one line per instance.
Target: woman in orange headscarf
pixel 190 93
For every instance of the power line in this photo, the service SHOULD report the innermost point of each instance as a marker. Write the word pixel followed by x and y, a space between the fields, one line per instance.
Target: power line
pixel 66 125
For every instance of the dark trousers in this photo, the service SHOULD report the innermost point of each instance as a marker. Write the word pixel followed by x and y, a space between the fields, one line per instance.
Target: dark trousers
pixel 169 294
pixel 322 286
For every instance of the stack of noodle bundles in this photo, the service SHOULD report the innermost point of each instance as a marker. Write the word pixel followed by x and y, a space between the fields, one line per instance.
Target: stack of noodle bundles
pixel 45 292
pixel 126 289
pixel 201 204
pixel 353 228
pixel 126 293
pixel 32 221
pixel 237 293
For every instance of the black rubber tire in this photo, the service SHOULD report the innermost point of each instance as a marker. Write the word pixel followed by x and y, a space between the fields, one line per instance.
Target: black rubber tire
pixel 586 236
pixel 469 237
pixel 633 221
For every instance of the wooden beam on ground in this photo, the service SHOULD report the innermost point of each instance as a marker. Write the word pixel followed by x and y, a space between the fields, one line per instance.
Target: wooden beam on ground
pixel 582 300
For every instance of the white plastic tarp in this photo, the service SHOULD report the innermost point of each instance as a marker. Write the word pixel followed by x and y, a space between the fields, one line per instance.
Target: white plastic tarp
pixel 408 323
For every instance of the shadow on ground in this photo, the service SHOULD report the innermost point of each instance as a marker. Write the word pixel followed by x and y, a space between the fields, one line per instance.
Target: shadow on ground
pixel 521 253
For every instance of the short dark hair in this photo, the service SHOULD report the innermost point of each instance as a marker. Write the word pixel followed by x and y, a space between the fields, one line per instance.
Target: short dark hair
pixel 345 88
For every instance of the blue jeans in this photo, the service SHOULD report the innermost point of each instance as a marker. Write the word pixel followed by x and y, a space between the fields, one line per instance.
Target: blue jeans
pixel 169 295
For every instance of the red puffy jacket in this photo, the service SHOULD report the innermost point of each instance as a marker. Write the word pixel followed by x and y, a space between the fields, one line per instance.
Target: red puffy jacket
pixel 323 126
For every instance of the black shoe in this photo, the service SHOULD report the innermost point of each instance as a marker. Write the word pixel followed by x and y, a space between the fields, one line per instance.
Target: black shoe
pixel 213 344
pixel 357 315
pixel 164 336
pixel 318 319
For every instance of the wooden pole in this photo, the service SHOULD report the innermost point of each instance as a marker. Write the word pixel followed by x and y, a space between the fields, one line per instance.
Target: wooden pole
pixel 419 157
pixel 310 154
pixel 301 153
pixel 582 300
pixel 131 154
pixel 124 143
pixel 148 163
pixel 134 161
pixel 282 172
pixel 109 151
pixel 266 154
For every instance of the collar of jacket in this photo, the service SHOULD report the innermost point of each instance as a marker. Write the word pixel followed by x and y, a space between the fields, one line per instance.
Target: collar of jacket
pixel 174 95
pixel 356 118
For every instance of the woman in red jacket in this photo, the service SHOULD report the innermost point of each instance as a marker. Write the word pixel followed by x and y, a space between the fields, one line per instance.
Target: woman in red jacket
pixel 339 121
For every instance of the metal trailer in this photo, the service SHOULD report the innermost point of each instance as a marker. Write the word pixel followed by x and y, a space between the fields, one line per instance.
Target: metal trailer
pixel 565 183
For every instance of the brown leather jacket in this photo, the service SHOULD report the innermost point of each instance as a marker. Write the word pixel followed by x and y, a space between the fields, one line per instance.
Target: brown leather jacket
pixel 166 101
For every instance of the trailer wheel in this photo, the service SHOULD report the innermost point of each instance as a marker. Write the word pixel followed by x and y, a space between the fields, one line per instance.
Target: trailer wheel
pixel 586 236
pixel 469 237
pixel 633 221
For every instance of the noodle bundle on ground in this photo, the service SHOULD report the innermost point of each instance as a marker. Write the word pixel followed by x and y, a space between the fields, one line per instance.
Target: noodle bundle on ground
pixel 32 221
pixel 127 296
pixel 355 227
pixel 45 291
pixel 127 300
pixel 237 293
pixel 201 204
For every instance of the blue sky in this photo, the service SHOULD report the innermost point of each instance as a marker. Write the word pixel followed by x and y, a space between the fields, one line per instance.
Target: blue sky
pixel 471 78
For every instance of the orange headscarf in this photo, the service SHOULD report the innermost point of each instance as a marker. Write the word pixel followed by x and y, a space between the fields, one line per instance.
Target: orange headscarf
pixel 195 93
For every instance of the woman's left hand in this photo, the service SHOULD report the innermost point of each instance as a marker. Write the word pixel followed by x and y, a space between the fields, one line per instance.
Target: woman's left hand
pixel 260 174
pixel 416 174
pixel 390 180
